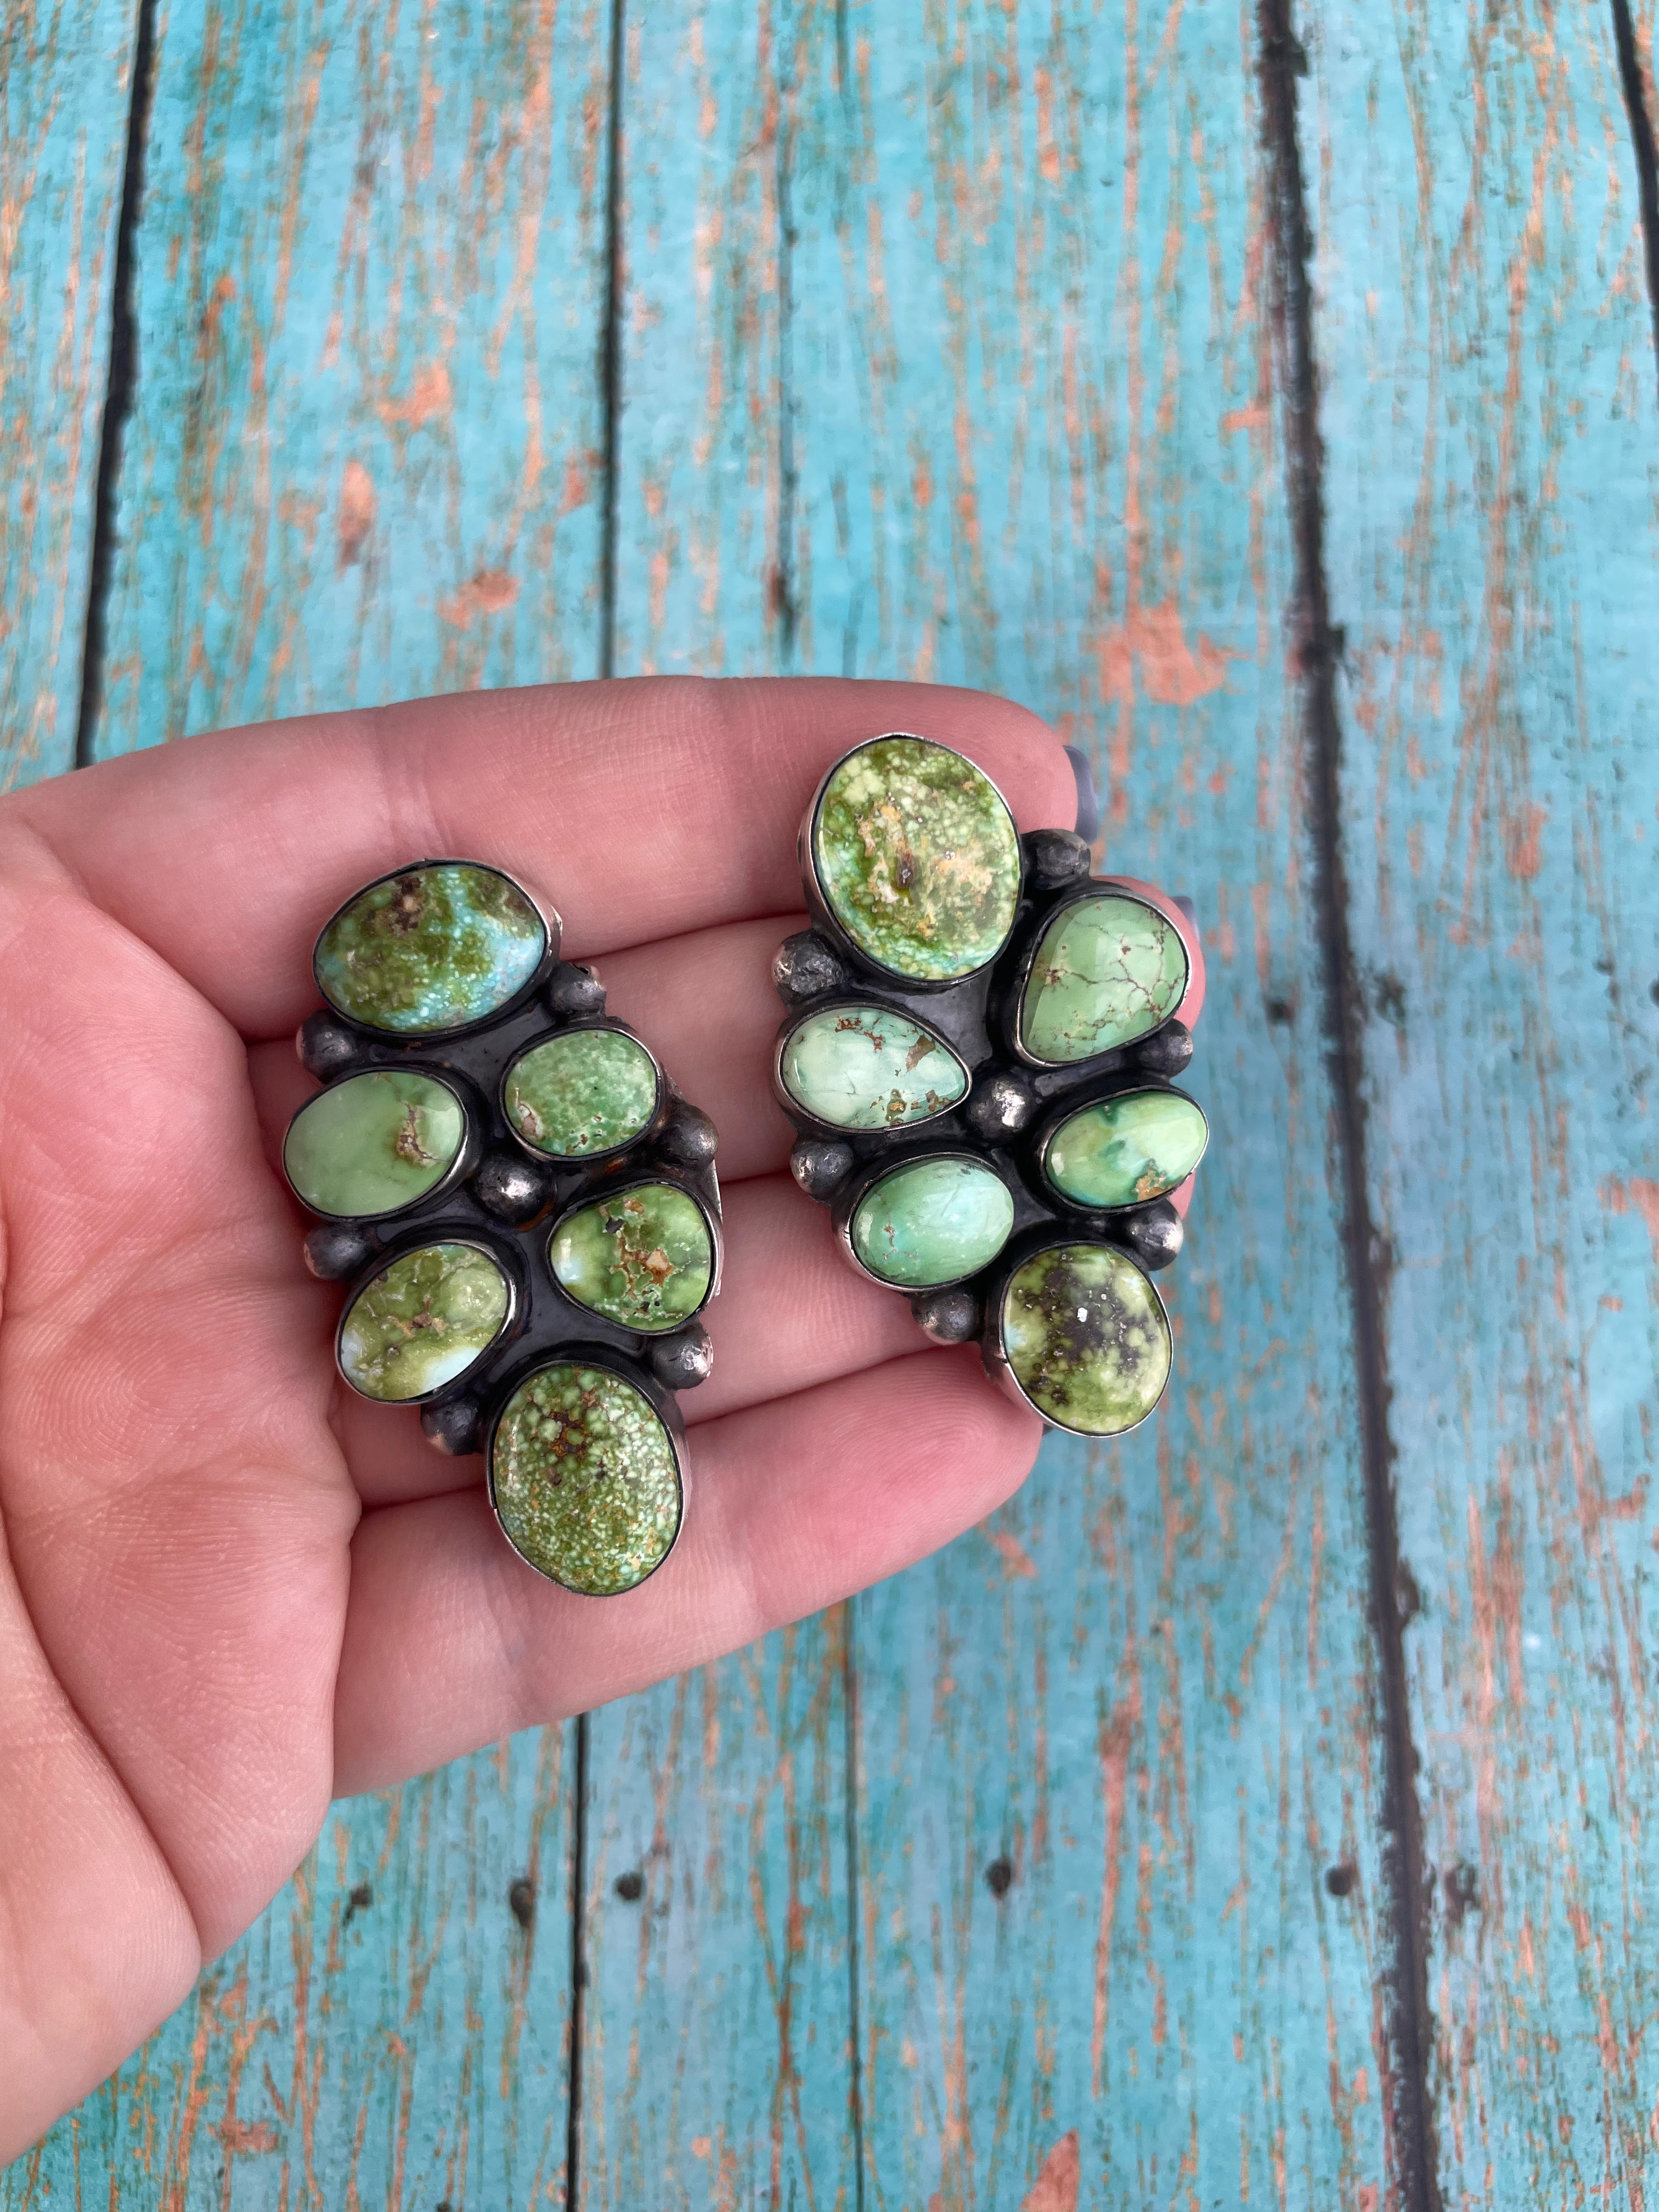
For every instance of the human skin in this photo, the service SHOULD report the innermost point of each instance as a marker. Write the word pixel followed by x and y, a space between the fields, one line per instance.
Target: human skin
pixel 230 1590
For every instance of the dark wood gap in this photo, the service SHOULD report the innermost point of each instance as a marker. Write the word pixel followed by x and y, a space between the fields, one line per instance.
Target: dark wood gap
pixel 1641 145
pixel 610 340
pixel 783 609
pixel 610 403
pixel 849 1691
pixel 1316 646
pixel 120 386
pixel 573 2111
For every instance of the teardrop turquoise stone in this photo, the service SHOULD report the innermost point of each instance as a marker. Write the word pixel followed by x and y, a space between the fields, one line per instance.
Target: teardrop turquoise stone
pixel 1126 1150
pixel 917 857
pixel 863 1068
pixel 1087 1338
pixel 1109 970
pixel 932 1221
pixel 435 948
pixel 373 1143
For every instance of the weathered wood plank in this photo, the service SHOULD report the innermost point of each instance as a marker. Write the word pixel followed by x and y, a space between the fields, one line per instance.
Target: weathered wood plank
pixel 361 464
pixel 1493 551
pixel 716 2058
pixel 393 2030
pixel 945 359
pixel 66 91
pixel 369 288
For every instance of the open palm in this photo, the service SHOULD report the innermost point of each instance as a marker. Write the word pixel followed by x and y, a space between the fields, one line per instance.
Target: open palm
pixel 231 1590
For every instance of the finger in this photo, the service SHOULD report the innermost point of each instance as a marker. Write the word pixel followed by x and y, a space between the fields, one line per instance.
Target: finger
pixel 452 1641
pixel 638 810
pixel 792 1314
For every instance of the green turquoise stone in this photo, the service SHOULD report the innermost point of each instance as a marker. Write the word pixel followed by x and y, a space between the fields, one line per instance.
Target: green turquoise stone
pixel 932 1221
pixel 918 859
pixel 1126 1150
pixel 643 1258
pixel 373 1143
pixel 433 949
pixel 585 1481
pixel 422 1321
pixel 589 1090
pixel 1109 970
pixel 1087 1338
pixel 862 1067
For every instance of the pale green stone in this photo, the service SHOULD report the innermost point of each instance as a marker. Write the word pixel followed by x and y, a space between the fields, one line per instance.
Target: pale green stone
pixel 863 1068
pixel 1127 1149
pixel 586 1092
pixel 643 1257
pixel 932 1221
pixel 585 1481
pixel 373 1143
pixel 918 859
pixel 422 1321
pixel 433 949
pixel 1109 970
pixel 1087 1338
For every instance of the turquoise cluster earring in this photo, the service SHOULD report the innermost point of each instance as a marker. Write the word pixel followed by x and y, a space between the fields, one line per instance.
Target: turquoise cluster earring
pixel 523 1207
pixel 977 1057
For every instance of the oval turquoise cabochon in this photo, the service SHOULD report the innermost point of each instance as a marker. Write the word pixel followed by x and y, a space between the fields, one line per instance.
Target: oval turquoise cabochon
pixel 866 1067
pixel 431 948
pixel 917 857
pixel 422 1321
pixel 1110 969
pixel 1126 1150
pixel 375 1142
pixel 932 1221
pixel 1086 1338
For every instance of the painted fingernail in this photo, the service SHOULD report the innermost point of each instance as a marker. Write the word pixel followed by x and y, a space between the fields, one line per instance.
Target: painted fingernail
pixel 1088 802
pixel 1186 905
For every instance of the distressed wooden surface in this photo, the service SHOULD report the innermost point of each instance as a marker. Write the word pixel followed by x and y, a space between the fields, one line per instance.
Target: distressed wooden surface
pixel 1493 539
pixel 65 89
pixel 361 460
pixel 945 352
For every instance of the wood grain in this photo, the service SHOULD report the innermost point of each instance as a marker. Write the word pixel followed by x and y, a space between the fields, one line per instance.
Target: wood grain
pixel 65 92
pixel 1493 545
pixel 716 2058
pixel 361 464
pixel 945 356
pixel 369 282
pixel 393 2030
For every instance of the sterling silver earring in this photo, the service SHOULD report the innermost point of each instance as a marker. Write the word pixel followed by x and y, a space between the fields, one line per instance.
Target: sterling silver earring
pixel 977 1057
pixel 523 1206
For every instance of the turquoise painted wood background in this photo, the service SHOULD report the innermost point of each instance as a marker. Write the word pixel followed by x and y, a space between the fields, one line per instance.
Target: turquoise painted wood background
pixel 1264 1811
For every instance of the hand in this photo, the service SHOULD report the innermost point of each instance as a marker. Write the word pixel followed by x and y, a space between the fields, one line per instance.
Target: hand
pixel 232 1589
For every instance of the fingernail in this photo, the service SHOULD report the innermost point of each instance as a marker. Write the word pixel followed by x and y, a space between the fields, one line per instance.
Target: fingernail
pixel 1088 802
pixel 1187 906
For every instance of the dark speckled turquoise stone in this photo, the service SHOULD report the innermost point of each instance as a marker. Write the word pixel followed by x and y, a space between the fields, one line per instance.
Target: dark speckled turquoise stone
pixel 435 948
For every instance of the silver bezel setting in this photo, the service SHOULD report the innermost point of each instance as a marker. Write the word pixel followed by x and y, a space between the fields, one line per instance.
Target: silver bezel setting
pixel 458 1168
pixel 662 1404
pixel 993 1350
pixel 609 1192
pixel 387 1259
pixel 570 1163
pixel 552 937
pixel 817 899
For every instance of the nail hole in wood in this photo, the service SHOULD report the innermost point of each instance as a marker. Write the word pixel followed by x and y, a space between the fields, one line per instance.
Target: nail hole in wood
pixel 1339 1878
pixel 359 1901
pixel 999 1876
pixel 521 1898
pixel 631 1886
